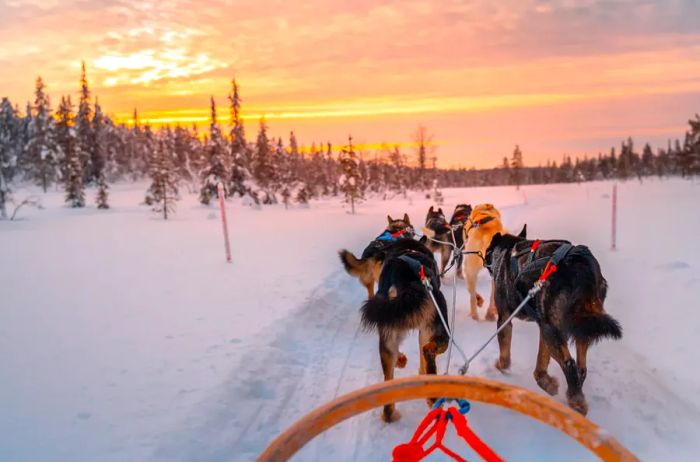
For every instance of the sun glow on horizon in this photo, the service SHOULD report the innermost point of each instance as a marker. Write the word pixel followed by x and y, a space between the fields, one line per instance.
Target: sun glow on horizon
pixel 477 73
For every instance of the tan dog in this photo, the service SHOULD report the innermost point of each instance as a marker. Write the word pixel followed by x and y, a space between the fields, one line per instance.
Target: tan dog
pixel 484 222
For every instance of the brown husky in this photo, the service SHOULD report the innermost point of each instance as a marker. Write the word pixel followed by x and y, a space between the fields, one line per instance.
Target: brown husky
pixel 484 222
pixel 368 267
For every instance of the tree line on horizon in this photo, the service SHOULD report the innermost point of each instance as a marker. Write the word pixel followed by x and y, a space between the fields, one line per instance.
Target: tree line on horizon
pixel 84 147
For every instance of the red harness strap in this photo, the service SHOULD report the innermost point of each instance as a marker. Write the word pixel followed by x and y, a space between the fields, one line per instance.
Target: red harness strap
pixel 435 423
pixel 398 233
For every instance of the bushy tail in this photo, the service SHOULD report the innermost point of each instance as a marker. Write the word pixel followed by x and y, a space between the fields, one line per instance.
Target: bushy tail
pixel 400 301
pixel 594 327
pixel 353 265
pixel 405 311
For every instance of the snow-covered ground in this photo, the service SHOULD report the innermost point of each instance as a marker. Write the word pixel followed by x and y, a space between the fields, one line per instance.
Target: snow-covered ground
pixel 127 338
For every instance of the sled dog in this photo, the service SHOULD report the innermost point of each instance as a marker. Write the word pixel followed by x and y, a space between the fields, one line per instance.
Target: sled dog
pixel 483 223
pixel 367 267
pixel 569 307
pixel 401 304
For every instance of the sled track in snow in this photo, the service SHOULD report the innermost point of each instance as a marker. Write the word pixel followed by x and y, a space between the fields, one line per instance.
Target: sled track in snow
pixel 319 352
pixel 304 358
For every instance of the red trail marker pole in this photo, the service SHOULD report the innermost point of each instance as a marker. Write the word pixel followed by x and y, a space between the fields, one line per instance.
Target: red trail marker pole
pixel 613 241
pixel 224 222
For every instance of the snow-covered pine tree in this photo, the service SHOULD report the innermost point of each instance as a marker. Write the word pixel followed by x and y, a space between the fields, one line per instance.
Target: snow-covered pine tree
pixel 516 166
pixel 349 180
pixel 102 193
pixel 263 165
pixel 9 151
pixel 42 148
pixel 73 177
pixel 285 180
pixel 218 169
pixel 163 177
pixel 151 144
pixel 690 153
pixel 83 129
pixel 240 175
pixel 97 144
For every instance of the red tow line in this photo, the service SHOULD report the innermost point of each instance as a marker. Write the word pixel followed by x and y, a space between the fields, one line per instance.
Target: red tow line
pixel 435 424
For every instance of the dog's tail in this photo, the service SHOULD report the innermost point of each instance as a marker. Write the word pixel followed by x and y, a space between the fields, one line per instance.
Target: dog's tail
pixel 591 323
pixel 353 265
pixel 592 327
pixel 401 301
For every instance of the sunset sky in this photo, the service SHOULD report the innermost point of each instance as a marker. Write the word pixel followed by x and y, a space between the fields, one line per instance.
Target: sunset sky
pixel 556 77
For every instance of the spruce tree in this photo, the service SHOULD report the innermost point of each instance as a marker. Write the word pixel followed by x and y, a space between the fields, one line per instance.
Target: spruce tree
pixel 9 151
pixel 97 144
pixel 240 174
pixel 83 129
pixel 350 179
pixel 163 177
pixel 102 193
pixel 42 149
pixel 263 165
pixel 690 154
pixel 218 154
pixel 73 177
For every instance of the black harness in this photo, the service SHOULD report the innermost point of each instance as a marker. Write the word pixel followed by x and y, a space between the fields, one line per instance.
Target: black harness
pixel 413 261
pixel 538 265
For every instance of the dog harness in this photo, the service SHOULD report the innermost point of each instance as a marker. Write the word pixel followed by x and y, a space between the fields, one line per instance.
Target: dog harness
pixel 393 237
pixel 545 265
pixel 417 267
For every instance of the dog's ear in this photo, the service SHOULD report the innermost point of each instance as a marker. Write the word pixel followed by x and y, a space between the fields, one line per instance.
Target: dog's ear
pixel 440 211
pixel 495 240
pixel 423 240
pixel 406 219
pixel 430 210
pixel 388 217
pixel 523 232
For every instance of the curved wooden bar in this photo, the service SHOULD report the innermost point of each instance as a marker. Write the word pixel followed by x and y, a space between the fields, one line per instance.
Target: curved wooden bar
pixel 523 401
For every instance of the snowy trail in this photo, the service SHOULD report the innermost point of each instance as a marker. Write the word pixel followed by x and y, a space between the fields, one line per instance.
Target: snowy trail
pixel 318 352
pixel 124 338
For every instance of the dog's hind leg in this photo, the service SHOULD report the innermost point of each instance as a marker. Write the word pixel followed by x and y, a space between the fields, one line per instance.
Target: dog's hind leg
pixel 389 354
pixel 491 311
pixel 504 340
pixel 544 380
pixel 581 351
pixel 428 353
pixel 560 352
pixel 473 296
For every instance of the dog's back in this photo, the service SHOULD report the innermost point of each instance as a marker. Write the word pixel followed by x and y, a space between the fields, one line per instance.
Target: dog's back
pixel 402 301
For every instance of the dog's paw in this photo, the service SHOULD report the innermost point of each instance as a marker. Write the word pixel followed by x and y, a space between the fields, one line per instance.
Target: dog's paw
pixel 475 316
pixel 479 300
pixel 547 383
pixel 578 403
pixel 390 417
pixel 491 315
pixel 401 361
pixel 502 364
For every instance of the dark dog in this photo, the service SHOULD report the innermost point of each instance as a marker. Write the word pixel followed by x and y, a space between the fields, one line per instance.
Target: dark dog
pixel 402 303
pixel 368 267
pixel 569 306
pixel 459 218
pixel 436 227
